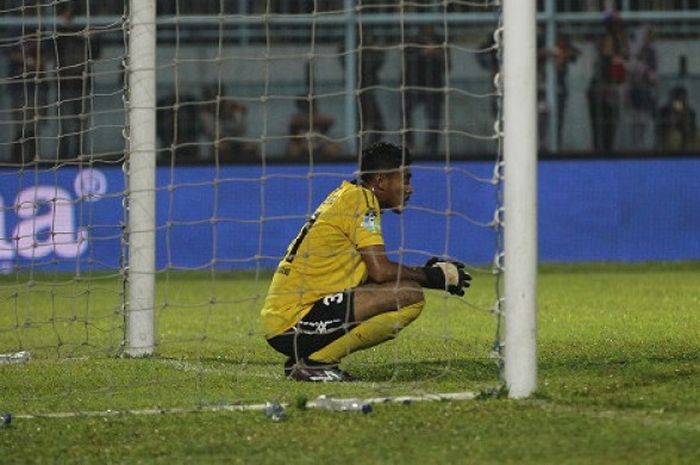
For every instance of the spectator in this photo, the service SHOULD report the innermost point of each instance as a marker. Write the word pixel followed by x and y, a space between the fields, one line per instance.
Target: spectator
pixel 223 121
pixel 676 125
pixel 608 76
pixel 487 57
pixel 642 86
pixel 563 53
pixel 371 62
pixel 28 92
pixel 426 65
pixel 177 126
pixel 543 113
pixel 308 129
pixel 76 48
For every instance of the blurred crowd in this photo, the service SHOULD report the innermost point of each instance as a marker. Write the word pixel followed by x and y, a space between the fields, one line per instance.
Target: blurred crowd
pixel 626 77
pixel 71 54
pixel 208 7
pixel 208 123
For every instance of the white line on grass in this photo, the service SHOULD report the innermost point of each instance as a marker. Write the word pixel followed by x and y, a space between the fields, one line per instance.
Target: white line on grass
pixel 450 396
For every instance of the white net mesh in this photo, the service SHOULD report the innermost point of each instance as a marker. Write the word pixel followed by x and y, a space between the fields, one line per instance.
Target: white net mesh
pixel 61 120
pixel 261 112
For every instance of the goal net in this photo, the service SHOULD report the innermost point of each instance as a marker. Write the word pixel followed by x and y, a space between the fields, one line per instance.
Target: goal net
pixel 260 109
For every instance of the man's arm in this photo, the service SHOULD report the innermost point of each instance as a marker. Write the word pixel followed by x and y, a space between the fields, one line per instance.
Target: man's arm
pixel 436 274
pixel 381 270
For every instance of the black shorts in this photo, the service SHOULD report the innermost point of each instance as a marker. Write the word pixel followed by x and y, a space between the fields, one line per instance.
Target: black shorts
pixel 329 318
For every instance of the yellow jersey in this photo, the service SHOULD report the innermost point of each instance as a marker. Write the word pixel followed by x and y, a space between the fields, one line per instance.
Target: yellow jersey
pixel 323 259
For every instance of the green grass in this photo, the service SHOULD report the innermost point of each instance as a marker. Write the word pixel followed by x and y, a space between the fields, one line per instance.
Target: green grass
pixel 619 377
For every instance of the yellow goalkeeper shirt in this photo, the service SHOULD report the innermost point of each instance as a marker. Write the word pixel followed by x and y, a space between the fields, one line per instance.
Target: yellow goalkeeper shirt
pixel 323 259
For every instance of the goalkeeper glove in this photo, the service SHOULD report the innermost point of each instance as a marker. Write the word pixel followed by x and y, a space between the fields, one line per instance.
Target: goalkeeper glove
pixel 449 276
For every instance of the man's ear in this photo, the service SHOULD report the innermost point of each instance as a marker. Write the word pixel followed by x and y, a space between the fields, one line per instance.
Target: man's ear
pixel 380 182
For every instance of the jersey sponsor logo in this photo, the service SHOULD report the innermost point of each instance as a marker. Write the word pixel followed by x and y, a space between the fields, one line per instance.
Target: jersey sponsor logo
pixel 369 222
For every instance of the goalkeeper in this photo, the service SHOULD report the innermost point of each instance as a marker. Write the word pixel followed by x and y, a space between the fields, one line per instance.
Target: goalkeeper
pixel 335 291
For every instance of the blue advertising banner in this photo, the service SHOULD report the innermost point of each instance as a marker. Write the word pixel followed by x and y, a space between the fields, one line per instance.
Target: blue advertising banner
pixel 243 217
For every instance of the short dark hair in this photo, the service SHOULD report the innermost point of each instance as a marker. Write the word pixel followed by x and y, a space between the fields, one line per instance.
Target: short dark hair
pixel 382 156
pixel 679 93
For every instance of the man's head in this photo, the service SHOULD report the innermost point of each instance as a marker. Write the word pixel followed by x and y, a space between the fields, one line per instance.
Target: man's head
pixel 385 170
pixel 66 11
pixel 679 98
pixel 305 105
pixel 613 22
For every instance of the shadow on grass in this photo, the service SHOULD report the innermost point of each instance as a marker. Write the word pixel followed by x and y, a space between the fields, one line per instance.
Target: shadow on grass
pixel 448 370
pixel 433 370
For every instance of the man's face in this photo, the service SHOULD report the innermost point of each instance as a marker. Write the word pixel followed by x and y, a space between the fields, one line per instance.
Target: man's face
pixel 679 105
pixel 397 189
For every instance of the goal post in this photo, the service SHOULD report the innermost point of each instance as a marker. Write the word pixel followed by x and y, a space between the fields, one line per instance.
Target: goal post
pixel 520 157
pixel 141 179
pixel 111 256
pixel 520 194
pixel 520 145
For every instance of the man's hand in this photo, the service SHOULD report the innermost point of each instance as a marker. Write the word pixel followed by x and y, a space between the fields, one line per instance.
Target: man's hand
pixel 449 276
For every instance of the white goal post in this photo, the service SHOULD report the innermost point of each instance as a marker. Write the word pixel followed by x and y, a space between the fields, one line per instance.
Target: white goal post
pixel 141 179
pixel 520 156
pixel 520 194
pixel 156 164
pixel 520 144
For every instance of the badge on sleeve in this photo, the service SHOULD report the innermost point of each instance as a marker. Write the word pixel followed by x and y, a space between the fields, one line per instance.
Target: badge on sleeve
pixel 369 222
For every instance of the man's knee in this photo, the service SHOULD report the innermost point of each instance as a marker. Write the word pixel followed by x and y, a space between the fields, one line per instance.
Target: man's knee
pixel 406 315
pixel 409 293
pixel 375 299
pixel 412 301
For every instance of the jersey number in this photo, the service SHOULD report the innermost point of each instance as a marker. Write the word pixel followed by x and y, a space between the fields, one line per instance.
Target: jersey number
pixel 333 299
pixel 300 237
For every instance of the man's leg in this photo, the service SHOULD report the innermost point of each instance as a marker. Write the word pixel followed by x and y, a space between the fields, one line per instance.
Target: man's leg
pixel 381 311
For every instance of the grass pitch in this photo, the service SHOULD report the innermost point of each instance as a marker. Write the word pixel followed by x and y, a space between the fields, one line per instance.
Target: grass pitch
pixel 619 370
